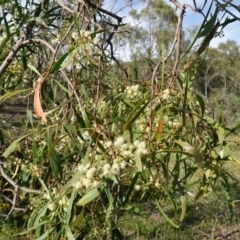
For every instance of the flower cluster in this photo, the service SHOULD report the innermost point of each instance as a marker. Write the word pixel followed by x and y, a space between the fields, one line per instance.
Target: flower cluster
pixel 132 91
pixel 35 170
pixel 88 180
pixel 85 48
pixel 101 107
pixel 62 201
pixel 166 94
pixel 122 155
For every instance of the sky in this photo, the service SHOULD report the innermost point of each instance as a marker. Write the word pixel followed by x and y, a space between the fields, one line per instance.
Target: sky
pixel 232 31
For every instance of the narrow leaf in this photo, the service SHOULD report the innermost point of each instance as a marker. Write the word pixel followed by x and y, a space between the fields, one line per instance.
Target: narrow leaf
pixel 70 206
pixel 69 233
pixel 138 161
pixel 184 208
pixel 201 104
pixel 77 175
pixel 164 214
pixel 133 116
pixel 130 189
pixel 30 116
pixel 46 235
pixel 63 88
pixel 34 69
pixel 209 25
pixel 225 152
pixel 228 194
pixel 11 94
pixel 220 133
pixel 159 130
pixel 38 20
pixel 227 21
pixel 55 162
pixel 191 150
pixel 13 146
pixel 90 196
pixel 58 64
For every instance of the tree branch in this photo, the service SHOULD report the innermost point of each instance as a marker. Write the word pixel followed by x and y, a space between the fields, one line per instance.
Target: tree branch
pixel 24 40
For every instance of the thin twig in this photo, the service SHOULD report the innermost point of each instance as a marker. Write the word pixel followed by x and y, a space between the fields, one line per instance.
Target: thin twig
pixel 15 185
pixel 178 35
pixel 14 192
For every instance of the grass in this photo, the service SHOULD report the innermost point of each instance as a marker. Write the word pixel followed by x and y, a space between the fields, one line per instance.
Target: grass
pixel 206 219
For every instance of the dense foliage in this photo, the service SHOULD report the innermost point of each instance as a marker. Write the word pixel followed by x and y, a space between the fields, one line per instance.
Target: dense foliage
pixel 112 134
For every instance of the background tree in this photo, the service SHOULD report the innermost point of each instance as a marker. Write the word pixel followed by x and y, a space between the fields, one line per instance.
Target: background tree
pixel 218 80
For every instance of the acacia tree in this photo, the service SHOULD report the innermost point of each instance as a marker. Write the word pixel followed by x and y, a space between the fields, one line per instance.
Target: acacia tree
pixel 101 143
pixel 151 31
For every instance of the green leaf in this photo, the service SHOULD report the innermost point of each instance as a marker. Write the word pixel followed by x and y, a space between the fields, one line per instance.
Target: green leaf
pixel 44 185
pixel 70 206
pixel 11 94
pixel 77 175
pixel 191 150
pixel 84 91
pixel 79 220
pixel 130 189
pixel 2 2
pixel 227 21
pixel 46 235
pixel 170 197
pixel 38 20
pixel 90 196
pixel 69 233
pixel 234 129
pixel 186 81
pixel 225 152
pixel 228 194
pixel 19 8
pixel 164 214
pixel 8 33
pixel 14 145
pixel 70 59
pixel 201 104
pixel 32 228
pixel 198 33
pixel 34 69
pixel 206 29
pixel 138 161
pixel 58 64
pixel 63 88
pixel 110 200
pixel 184 208
pixel 30 116
pixel 57 236
pixel 135 113
pixel 134 73
pixel 98 31
pixel 54 160
pixel 220 133
pixel 2 46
